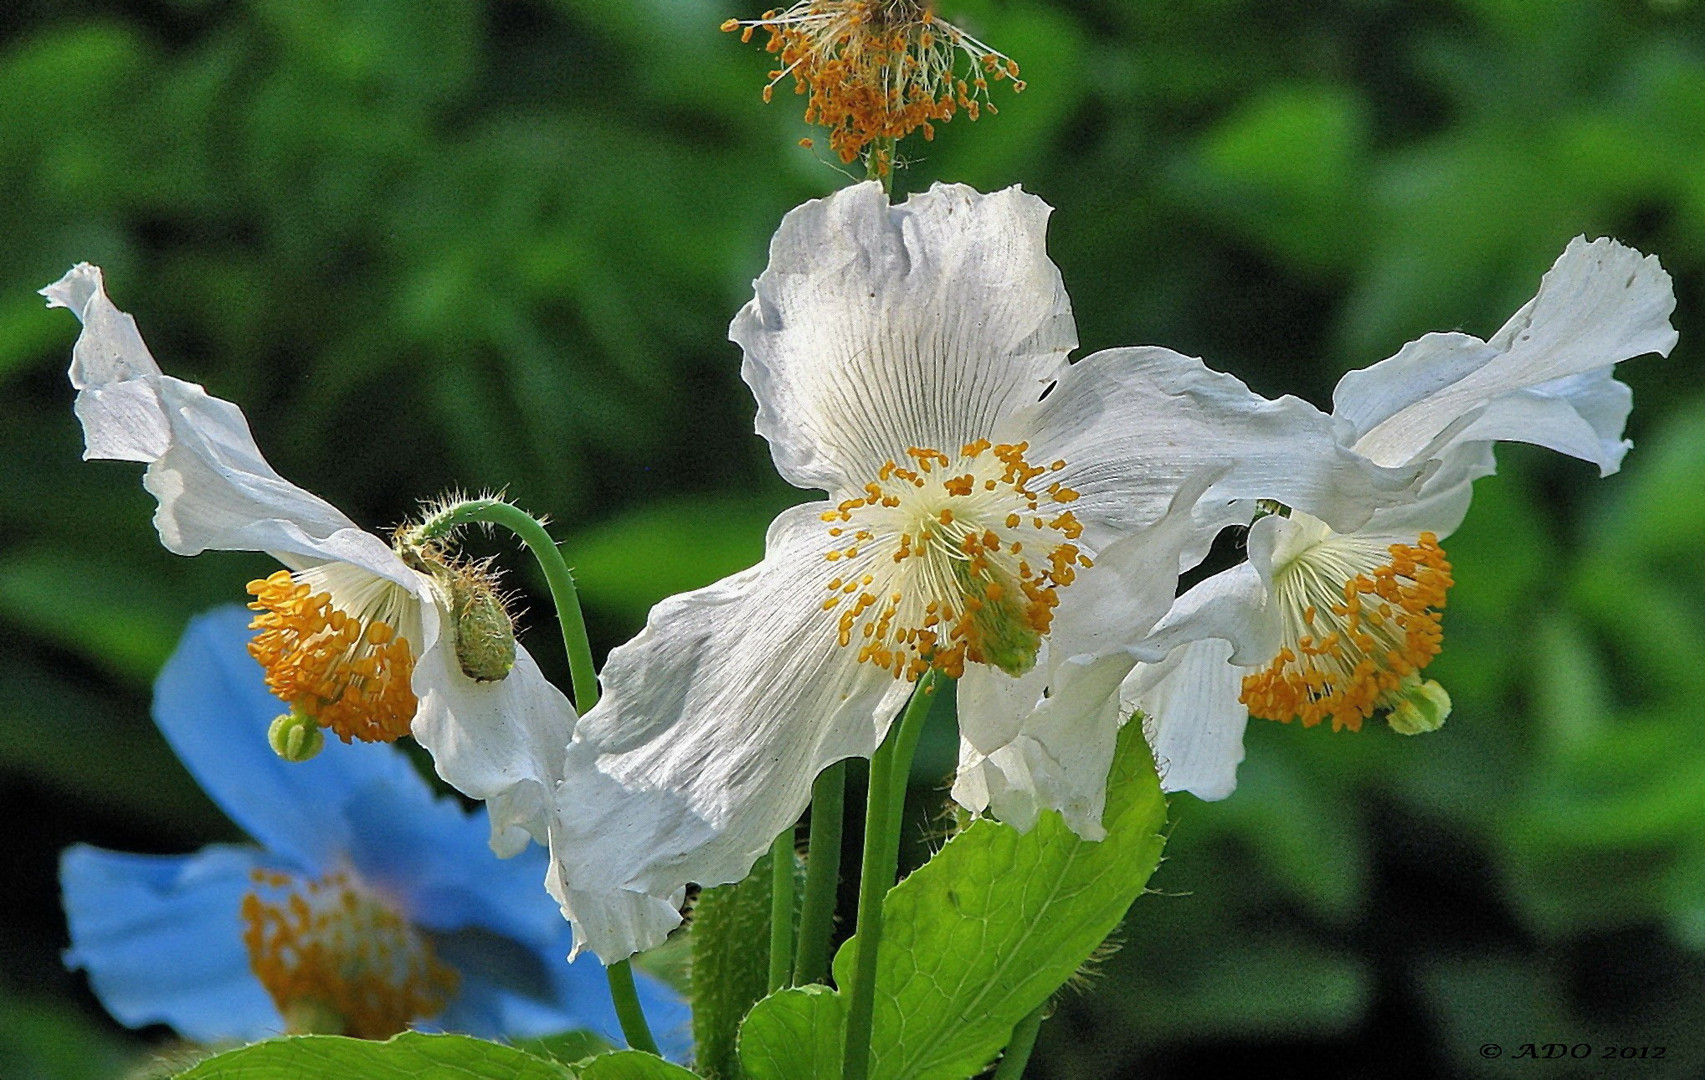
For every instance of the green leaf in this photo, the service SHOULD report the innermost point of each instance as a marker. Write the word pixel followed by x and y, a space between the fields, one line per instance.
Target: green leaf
pixel 976 939
pixel 410 1056
pixel 795 1033
pixel 633 1065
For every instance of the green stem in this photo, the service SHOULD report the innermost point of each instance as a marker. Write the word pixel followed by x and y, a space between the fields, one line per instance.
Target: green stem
pixel 1023 1041
pixel 582 675
pixel 889 768
pixel 822 875
pixel 557 575
pixel 781 909
pixel 628 1012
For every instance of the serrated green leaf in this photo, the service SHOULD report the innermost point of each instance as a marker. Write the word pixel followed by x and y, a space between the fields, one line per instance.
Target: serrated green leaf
pixel 796 1033
pixel 633 1065
pixel 976 939
pixel 409 1056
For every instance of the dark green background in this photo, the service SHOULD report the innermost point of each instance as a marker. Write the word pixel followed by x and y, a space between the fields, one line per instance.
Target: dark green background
pixel 430 244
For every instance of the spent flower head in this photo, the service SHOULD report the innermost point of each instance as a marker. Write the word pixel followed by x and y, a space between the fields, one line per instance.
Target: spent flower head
pixel 878 69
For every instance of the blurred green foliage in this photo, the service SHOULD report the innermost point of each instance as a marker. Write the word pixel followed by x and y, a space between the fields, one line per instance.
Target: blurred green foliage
pixel 497 245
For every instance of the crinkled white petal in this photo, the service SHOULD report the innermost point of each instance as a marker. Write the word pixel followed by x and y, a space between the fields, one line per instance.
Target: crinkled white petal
pixel 1133 424
pixel 214 488
pixel 1601 303
pixel 1060 756
pixel 876 328
pixel 714 722
pixel 501 741
pixel 1192 717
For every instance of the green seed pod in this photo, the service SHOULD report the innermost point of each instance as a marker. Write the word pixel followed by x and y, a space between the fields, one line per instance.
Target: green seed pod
pixel 295 736
pixel 1421 707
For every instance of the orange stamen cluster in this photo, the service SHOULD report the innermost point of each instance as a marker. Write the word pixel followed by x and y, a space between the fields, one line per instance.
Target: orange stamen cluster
pixel 1345 656
pixel 350 674
pixel 878 69
pixel 327 946
pixel 946 561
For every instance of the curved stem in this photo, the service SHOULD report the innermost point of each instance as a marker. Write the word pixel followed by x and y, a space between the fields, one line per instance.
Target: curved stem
pixel 889 769
pixel 628 1012
pixel 822 875
pixel 582 675
pixel 557 575
pixel 1017 1054
pixel 781 909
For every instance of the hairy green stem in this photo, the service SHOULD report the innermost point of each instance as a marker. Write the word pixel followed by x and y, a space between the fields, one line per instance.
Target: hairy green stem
pixel 582 675
pixel 1017 1054
pixel 889 769
pixel 557 575
pixel 822 875
pixel 781 909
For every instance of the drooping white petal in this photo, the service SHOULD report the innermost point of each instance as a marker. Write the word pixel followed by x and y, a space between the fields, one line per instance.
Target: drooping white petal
pixel 214 488
pixel 1601 303
pixel 1132 425
pixel 1192 717
pixel 501 742
pixel 876 328
pixel 714 722
pixel 1059 757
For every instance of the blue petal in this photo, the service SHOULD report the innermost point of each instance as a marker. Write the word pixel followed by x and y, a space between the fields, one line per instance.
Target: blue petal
pixel 212 704
pixel 575 997
pixel 161 939
pixel 434 857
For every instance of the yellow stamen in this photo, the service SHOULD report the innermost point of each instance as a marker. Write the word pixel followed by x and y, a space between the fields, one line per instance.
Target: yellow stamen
pixel 349 671
pixel 1381 626
pixel 943 537
pixel 330 949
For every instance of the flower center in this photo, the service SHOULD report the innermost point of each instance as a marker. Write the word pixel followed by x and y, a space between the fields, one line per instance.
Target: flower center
pixel 334 956
pixel 878 68
pixel 331 643
pixel 943 561
pixel 1360 621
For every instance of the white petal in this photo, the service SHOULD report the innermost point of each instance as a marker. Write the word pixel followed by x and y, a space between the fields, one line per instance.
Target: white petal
pixel 1194 721
pixel 1060 757
pixel 1133 424
pixel 1134 579
pixel 1231 606
pixel 214 488
pixel 502 742
pixel 1601 303
pixel 876 328
pixel 714 722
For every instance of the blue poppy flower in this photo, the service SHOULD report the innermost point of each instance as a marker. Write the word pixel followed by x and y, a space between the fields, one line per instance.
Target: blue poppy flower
pixel 367 905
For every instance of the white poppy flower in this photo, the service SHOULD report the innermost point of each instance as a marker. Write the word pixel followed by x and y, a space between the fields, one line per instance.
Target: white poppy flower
pixel 994 512
pixel 351 636
pixel 1322 624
